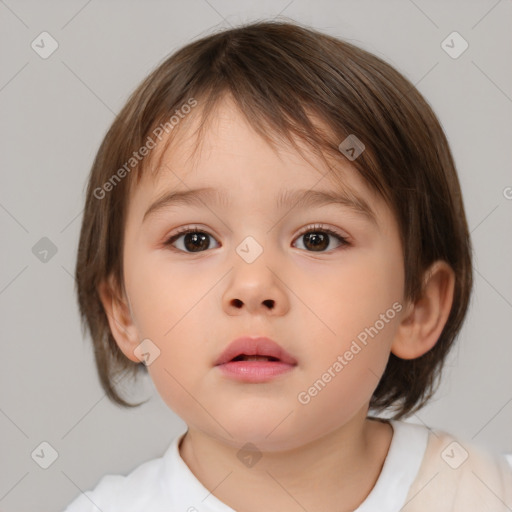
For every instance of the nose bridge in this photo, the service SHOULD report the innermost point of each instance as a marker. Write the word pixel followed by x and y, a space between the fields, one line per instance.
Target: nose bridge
pixel 253 261
pixel 252 233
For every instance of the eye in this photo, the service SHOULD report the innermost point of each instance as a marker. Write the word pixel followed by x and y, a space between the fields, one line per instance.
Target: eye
pixel 194 240
pixel 317 238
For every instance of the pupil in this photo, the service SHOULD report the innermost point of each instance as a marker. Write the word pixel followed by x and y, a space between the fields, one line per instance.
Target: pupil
pixel 319 241
pixel 198 241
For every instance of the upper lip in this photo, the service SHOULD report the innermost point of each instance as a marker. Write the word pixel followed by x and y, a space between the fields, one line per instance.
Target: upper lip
pixel 254 346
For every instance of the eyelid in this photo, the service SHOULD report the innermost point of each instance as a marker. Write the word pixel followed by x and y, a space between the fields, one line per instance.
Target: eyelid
pixel 322 227
pixel 169 240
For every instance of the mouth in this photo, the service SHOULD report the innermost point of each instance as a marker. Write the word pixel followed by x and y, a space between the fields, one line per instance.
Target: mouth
pixel 254 359
pixel 254 348
pixel 254 369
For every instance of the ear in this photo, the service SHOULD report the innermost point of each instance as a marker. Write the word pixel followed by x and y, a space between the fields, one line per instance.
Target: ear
pixel 424 320
pixel 119 318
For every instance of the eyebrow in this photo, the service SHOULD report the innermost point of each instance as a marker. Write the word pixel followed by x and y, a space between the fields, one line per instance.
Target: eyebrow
pixel 286 198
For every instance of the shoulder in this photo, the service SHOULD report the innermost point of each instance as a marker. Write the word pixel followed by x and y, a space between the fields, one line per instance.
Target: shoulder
pixel 141 487
pixel 460 475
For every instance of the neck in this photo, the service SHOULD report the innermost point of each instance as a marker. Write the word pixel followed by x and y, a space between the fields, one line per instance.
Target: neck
pixel 334 472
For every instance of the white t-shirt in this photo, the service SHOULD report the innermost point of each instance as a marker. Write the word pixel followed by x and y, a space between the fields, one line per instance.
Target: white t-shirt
pixel 167 484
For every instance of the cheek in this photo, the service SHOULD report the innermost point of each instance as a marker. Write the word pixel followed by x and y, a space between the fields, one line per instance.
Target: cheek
pixel 159 292
pixel 356 318
pixel 353 294
pixel 170 308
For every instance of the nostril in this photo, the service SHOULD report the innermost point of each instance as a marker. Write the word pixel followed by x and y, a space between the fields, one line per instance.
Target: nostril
pixel 237 303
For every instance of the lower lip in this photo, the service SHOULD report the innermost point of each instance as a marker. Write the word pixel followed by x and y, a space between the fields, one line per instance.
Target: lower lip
pixel 254 371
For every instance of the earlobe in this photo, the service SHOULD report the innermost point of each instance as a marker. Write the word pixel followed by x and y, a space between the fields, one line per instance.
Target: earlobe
pixel 423 321
pixel 119 318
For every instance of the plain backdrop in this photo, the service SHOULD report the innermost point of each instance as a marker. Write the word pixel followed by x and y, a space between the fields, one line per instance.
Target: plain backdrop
pixel 55 112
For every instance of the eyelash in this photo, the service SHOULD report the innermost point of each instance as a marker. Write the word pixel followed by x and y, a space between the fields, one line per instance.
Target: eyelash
pixel 314 228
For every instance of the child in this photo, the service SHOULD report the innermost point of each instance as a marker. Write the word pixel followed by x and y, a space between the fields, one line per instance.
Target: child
pixel 274 230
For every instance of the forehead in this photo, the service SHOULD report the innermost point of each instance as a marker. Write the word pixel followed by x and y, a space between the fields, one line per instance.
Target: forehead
pixel 226 155
pixel 225 135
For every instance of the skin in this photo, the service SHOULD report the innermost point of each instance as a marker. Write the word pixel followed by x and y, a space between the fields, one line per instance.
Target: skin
pixel 323 455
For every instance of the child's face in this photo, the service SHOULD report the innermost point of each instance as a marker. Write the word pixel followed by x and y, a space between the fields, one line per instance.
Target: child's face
pixel 193 304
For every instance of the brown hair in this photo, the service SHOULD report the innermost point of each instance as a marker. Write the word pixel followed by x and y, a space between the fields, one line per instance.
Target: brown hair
pixel 283 77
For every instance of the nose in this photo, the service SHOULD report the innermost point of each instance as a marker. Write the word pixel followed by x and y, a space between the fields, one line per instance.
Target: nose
pixel 256 288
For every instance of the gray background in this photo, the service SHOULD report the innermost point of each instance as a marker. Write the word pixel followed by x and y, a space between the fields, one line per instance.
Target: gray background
pixel 55 112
